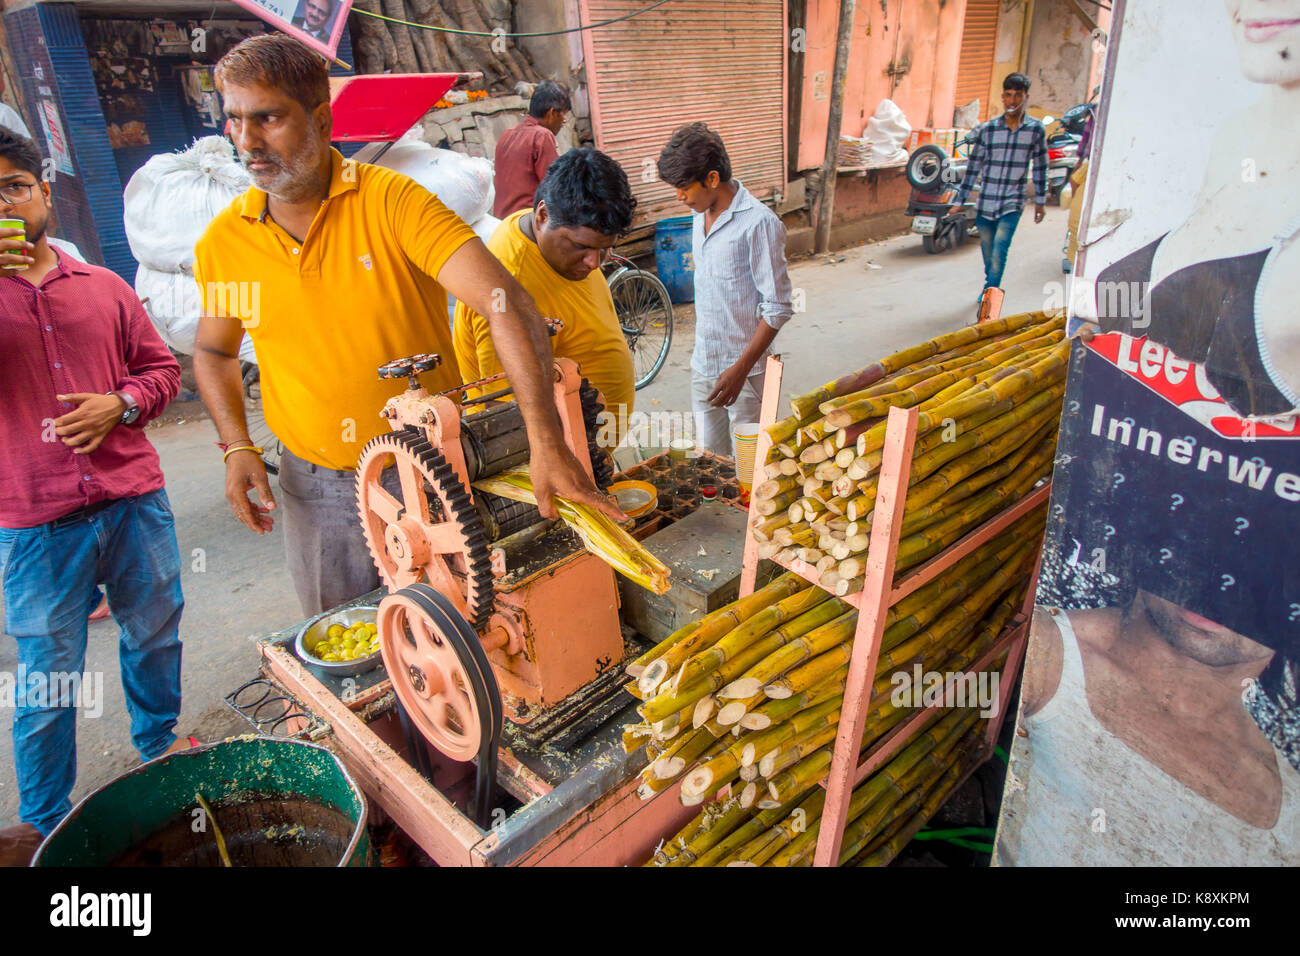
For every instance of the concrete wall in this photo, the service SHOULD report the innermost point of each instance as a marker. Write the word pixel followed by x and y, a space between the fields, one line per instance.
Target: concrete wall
pixel 921 37
pixel 1059 64
pixel 1014 20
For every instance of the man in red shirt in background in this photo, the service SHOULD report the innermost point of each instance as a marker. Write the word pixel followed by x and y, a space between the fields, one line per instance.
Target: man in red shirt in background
pixel 81 496
pixel 525 152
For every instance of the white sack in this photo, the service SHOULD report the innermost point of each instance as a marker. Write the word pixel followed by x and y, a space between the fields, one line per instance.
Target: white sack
pixel 170 200
pixel 173 303
pixel 484 226
pixel 886 132
pixel 462 182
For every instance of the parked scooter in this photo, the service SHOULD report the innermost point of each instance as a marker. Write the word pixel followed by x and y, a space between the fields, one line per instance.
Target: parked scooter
pixel 936 217
pixel 1063 139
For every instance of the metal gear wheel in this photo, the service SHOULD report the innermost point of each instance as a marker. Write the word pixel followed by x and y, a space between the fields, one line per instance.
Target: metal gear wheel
pixel 433 533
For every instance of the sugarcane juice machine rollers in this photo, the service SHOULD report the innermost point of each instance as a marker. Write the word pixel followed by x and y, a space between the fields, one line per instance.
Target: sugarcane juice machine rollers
pixel 463 644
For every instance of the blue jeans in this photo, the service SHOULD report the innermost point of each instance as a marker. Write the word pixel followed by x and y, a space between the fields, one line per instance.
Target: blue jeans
pixel 50 586
pixel 995 240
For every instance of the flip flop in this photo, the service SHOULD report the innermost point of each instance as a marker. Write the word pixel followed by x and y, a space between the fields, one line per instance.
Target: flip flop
pixel 100 612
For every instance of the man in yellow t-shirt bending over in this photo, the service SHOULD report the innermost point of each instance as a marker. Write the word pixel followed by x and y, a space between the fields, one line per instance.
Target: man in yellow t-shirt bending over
pixel 555 250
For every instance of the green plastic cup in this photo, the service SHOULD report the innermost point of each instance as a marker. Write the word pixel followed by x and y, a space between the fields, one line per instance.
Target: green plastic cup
pixel 15 224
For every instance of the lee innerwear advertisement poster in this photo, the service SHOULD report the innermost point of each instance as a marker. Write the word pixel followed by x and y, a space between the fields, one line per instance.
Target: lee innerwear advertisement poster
pixel 1159 721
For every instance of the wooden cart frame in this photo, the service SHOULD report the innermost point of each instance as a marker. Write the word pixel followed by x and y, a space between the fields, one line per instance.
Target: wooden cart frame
pixel 878 594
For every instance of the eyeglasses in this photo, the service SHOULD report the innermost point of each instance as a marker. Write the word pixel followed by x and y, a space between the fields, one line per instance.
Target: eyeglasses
pixel 16 193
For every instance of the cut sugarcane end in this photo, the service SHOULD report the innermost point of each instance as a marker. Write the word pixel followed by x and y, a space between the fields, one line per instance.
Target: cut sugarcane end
pixel 697 782
pixel 703 711
pixel 731 713
pixel 777 692
pixel 741 689
pixel 756 721
pixel 652 676
pixel 669 767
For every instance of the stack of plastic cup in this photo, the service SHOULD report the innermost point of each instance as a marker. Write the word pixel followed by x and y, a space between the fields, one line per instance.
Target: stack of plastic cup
pixel 745 438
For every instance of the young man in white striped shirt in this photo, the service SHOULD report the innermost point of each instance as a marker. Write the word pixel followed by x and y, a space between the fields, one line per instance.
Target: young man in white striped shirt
pixel 742 290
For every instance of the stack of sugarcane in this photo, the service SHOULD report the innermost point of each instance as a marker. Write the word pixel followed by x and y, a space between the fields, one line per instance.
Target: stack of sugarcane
pixel 989 398
pixel 749 697
pixel 885 810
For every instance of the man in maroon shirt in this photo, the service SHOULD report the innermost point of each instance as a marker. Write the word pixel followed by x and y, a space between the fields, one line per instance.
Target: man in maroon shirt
pixel 525 152
pixel 81 495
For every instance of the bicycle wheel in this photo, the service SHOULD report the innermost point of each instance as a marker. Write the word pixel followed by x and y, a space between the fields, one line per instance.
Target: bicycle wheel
pixel 258 431
pixel 645 313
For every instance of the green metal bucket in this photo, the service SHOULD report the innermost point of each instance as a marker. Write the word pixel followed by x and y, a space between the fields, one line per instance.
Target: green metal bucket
pixel 275 802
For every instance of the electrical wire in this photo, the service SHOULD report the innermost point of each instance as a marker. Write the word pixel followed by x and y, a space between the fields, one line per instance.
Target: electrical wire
pixel 480 33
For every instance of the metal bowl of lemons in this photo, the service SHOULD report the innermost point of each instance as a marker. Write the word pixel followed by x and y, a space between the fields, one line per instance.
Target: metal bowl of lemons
pixel 341 643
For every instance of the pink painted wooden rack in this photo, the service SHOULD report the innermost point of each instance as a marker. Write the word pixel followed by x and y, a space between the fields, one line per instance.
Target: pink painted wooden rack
pixel 878 594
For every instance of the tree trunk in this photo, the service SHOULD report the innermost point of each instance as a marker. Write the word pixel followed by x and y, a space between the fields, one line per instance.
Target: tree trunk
pixel 375 46
pixel 429 11
pixel 826 204
pixel 406 61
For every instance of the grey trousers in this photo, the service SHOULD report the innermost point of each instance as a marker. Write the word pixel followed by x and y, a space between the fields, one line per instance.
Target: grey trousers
pixel 329 562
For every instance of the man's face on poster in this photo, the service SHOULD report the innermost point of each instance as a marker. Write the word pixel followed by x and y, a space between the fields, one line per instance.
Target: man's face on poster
pixel 317 14
pixel 1198 637
pixel 1267 36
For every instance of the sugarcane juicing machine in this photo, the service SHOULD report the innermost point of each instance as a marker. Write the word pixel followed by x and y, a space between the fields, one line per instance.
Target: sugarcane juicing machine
pixel 490 615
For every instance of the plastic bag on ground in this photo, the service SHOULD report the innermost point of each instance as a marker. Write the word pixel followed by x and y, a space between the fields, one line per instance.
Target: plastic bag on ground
pixel 172 301
pixel 170 200
pixel 885 134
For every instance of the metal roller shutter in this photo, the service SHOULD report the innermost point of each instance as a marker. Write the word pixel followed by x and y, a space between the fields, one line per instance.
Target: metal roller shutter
pixel 719 61
pixel 979 37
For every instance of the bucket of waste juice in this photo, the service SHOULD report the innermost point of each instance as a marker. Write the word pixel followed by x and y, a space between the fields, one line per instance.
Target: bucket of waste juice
pixel 673 260
pixel 274 802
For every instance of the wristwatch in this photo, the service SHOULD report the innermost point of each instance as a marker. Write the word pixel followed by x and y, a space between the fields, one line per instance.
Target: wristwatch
pixel 132 409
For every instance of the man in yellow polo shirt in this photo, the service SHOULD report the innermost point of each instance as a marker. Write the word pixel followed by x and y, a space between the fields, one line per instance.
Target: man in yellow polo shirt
pixel 335 268
pixel 555 250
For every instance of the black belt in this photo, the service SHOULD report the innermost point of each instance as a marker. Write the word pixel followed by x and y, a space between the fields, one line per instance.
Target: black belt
pixel 81 513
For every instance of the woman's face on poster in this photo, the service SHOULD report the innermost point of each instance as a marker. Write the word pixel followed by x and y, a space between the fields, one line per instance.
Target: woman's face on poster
pixel 1267 35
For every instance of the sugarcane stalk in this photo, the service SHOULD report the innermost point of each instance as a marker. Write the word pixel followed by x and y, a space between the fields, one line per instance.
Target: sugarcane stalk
pixel 1035 456
pixel 805 405
pixel 727 763
pixel 692 638
pixel 743 834
pixel 818 612
pixel 717 827
pixel 871 791
pixel 770 506
pixel 684 695
pixel 673 761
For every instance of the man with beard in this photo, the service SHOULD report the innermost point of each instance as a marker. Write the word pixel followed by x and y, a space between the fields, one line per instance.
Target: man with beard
pixel 81 495
pixel 335 268
pixel 1139 746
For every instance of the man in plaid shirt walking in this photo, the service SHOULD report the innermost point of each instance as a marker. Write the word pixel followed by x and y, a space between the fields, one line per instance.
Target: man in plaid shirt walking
pixel 1000 155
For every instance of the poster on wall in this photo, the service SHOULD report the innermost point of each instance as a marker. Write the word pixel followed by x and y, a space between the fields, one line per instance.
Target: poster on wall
pixel 1160 714
pixel 317 23
pixel 58 143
